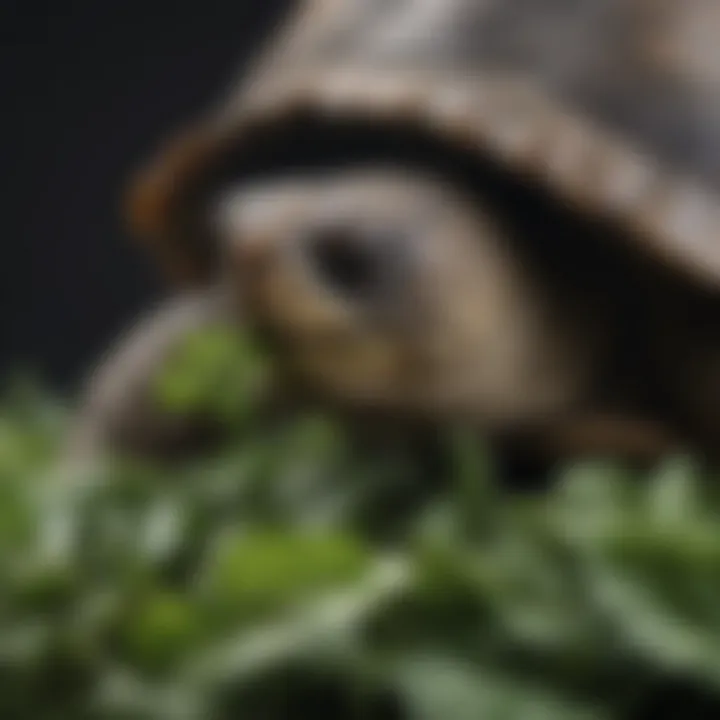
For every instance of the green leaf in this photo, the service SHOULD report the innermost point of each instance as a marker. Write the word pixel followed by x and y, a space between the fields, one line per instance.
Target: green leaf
pixel 674 495
pixel 218 371
pixel 258 572
pixel 438 688
pixel 161 629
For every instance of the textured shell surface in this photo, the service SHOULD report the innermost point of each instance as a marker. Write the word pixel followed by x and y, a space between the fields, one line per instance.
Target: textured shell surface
pixel 644 68
pixel 613 104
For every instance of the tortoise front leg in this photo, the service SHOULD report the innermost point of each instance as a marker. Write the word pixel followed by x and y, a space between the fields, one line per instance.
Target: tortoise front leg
pixel 119 412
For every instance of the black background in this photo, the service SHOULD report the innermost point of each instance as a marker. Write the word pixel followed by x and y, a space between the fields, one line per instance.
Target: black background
pixel 91 88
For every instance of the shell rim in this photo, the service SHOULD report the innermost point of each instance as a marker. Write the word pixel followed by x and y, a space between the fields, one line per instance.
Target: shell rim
pixel 671 218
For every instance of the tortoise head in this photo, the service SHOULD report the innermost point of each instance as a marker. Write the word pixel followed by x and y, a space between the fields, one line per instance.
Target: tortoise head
pixel 390 290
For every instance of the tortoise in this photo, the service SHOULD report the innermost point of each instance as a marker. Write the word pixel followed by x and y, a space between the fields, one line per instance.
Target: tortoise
pixel 499 212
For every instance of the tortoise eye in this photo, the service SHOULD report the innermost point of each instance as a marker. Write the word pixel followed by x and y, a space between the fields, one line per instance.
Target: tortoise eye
pixel 347 260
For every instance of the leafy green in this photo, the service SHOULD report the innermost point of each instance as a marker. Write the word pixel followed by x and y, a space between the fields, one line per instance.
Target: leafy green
pixel 292 573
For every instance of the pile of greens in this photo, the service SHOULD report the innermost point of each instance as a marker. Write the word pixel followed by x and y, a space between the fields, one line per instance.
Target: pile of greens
pixel 289 575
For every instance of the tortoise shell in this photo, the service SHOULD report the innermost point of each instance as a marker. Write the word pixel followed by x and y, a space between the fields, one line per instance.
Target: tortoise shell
pixel 612 105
